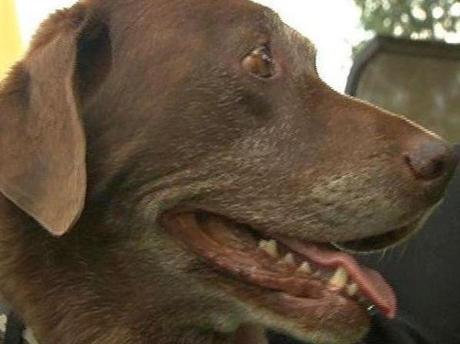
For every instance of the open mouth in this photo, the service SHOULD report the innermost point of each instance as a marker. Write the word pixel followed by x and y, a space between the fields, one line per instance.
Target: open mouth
pixel 300 272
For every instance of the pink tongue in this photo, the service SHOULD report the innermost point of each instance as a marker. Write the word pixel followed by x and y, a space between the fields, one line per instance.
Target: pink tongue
pixel 370 282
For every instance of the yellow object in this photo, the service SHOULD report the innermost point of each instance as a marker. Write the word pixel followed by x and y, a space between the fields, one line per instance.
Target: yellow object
pixel 10 42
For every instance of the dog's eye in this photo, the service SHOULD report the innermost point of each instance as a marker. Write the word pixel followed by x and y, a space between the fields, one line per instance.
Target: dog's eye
pixel 260 63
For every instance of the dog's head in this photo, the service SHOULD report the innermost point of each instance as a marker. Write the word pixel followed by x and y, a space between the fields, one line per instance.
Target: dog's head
pixel 214 161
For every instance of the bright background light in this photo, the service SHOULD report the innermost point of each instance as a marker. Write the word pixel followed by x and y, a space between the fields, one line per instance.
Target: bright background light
pixel 32 13
pixel 333 25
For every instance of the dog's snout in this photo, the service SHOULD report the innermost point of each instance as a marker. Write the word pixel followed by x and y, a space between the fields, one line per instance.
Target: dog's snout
pixel 430 158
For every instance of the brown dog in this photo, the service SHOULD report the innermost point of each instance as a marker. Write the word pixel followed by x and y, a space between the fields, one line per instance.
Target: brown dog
pixel 165 144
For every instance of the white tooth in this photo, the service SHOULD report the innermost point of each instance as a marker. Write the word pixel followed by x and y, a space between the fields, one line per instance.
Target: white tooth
pixel 288 259
pixel 305 267
pixel 352 289
pixel 317 274
pixel 271 248
pixel 262 244
pixel 339 279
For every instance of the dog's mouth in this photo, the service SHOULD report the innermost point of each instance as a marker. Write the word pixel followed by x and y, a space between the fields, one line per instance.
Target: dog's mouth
pixel 301 275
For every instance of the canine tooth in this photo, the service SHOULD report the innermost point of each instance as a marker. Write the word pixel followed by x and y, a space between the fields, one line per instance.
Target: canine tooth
pixel 352 289
pixel 305 267
pixel 339 279
pixel 288 259
pixel 262 244
pixel 271 247
pixel 317 274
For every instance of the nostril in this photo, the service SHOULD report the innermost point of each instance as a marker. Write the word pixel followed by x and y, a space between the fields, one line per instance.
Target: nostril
pixel 438 169
pixel 430 160
pixel 428 170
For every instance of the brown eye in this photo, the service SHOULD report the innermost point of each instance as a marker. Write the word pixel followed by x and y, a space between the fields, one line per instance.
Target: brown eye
pixel 260 63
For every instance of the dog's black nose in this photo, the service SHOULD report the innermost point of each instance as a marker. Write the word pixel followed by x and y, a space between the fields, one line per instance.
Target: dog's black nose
pixel 430 158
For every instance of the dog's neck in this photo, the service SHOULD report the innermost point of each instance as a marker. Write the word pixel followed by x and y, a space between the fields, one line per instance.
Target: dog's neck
pixel 28 301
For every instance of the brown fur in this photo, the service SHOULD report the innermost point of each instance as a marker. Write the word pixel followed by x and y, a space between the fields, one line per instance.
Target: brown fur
pixel 136 107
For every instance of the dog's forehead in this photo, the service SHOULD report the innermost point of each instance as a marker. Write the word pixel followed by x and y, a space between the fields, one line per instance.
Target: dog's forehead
pixel 160 16
pixel 200 25
pixel 162 10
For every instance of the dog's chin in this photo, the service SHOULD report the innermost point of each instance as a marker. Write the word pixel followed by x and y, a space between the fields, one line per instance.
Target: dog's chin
pixel 312 290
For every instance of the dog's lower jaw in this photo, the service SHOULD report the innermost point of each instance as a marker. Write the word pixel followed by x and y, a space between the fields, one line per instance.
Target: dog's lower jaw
pixel 250 334
pixel 246 334
pixel 123 336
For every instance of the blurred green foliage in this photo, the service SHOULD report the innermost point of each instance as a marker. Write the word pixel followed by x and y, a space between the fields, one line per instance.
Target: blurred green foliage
pixel 416 19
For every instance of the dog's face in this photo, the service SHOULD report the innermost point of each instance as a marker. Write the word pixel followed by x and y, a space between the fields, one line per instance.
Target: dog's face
pixel 210 134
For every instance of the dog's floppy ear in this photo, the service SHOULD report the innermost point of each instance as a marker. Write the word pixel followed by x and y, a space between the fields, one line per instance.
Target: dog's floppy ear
pixel 42 141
